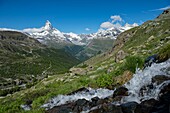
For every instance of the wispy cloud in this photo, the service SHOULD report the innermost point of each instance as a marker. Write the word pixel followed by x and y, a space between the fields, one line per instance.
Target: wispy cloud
pixel 106 25
pixel 161 9
pixel 116 18
pixel 87 29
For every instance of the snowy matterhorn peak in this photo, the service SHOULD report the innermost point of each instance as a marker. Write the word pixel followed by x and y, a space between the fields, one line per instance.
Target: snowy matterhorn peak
pixel 48 34
pixel 48 25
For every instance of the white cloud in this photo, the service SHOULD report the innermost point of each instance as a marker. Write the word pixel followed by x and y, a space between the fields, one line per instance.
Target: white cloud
pixel 116 22
pixel 32 30
pixel 161 9
pixel 8 29
pixel 87 29
pixel 106 25
pixel 116 18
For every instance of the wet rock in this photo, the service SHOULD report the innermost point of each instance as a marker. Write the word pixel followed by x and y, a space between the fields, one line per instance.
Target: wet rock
pixel 150 60
pixel 95 101
pixel 67 108
pixel 146 106
pixel 81 102
pixel 81 105
pixel 121 91
pixel 110 108
pixel 160 79
pixel 98 110
pixel 63 110
pixel 101 101
pixel 163 105
pixel 165 90
pixel 107 108
pixel 79 90
pixel 108 99
pixel 168 71
pixel 117 99
pixel 129 107
pixel 146 89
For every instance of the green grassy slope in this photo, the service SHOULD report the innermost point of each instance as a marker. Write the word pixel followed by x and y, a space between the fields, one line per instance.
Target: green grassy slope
pixel 96 46
pixel 20 55
pixel 23 60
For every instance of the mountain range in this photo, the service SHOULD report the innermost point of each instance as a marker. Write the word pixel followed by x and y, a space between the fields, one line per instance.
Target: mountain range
pixel 37 51
pixel 49 33
pixel 81 46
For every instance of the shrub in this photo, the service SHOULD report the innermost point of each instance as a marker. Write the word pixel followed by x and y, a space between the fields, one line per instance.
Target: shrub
pixel 164 53
pixel 132 62
pixel 104 80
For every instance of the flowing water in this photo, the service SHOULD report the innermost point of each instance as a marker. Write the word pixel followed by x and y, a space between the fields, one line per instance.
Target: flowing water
pixel 140 79
pixel 144 78
pixel 88 95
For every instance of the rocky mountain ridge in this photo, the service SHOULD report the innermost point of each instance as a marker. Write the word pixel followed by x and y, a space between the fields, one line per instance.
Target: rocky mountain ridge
pixel 83 46
pixel 48 32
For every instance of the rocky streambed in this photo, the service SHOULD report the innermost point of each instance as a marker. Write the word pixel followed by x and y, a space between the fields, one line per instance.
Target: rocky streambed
pixel 147 92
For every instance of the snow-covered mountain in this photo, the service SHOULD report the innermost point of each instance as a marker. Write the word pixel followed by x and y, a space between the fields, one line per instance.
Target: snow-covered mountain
pixel 113 32
pixel 49 33
pixel 82 46
pixel 74 38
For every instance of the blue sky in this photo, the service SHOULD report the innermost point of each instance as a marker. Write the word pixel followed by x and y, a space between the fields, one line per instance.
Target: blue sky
pixel 76 15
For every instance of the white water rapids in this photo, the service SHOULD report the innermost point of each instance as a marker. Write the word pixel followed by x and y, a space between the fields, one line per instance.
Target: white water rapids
pixel 140 78
pixel 144 78
pixel 88 95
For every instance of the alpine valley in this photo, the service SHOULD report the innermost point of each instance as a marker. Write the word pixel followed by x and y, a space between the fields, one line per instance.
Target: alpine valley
pixel 123 69
pixel 30 55
pixel 81 46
